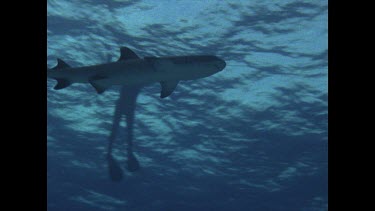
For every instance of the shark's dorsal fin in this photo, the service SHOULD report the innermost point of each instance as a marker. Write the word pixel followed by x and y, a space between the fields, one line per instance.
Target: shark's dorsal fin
pixel 61 65
pixel 167 87
pixel 127 54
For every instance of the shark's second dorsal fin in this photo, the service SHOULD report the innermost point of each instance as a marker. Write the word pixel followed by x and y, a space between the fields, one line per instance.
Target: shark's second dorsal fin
pixel 167 87
pixel 61 65
pixel 127 54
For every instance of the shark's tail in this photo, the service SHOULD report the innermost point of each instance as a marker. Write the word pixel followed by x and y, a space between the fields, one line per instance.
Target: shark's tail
pixel 61 82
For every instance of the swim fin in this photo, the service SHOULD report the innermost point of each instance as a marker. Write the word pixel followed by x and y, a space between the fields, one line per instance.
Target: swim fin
pixel 115 171
pixel 132 163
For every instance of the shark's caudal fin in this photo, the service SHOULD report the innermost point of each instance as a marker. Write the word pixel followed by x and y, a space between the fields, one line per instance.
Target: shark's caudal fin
pixel 167 87
pixel 61 82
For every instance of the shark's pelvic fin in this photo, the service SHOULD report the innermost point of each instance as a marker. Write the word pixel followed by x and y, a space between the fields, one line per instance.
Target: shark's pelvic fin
pixel 167 87
pixel 127 54
pixel 95 82
pixel 62 83
pixel 61 65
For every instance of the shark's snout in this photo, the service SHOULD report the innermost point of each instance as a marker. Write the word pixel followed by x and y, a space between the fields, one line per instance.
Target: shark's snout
pixel 220 64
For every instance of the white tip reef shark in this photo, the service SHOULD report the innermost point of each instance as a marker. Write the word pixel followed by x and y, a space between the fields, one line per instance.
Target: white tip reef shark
pixel 132 70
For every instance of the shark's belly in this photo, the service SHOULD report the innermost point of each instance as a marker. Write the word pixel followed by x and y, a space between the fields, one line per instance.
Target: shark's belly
pixel 131 77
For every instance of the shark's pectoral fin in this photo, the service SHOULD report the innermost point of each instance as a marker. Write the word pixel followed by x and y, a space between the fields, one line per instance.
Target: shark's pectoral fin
pixel 99 87
pixel 167 87
pixel 62 83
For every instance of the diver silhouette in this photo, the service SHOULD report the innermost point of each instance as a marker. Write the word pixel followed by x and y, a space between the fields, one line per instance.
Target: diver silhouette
pixel 125 106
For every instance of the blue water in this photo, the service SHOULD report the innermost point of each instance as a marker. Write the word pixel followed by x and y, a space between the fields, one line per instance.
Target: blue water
pixel 252 137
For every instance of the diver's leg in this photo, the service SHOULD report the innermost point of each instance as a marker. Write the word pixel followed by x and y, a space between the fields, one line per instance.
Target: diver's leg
pixel 130 96
pixel 115 171
pixel 132 162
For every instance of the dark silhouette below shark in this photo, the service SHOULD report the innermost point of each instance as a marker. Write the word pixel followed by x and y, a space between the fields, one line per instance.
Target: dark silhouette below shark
pixel 125 106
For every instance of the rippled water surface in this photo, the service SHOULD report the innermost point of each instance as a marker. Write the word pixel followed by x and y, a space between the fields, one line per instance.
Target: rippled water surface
pixel 252 137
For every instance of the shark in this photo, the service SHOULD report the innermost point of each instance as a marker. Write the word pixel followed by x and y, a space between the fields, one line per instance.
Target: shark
pixel 132 70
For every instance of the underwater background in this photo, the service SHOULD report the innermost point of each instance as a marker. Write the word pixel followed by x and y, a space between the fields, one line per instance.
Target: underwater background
pixel 251 137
